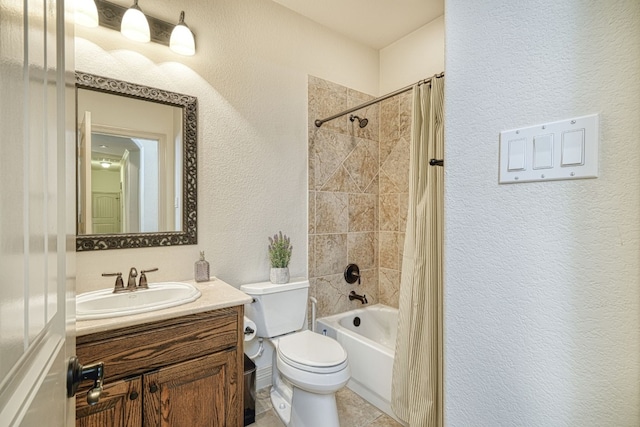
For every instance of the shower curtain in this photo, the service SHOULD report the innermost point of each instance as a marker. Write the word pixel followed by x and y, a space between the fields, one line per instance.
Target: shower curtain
pixel 417 369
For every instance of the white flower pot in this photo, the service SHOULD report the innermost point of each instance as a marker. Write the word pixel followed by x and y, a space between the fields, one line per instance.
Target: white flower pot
pixel 279 275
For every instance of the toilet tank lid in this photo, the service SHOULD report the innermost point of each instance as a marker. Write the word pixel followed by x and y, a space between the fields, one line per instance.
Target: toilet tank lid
pixel 263 288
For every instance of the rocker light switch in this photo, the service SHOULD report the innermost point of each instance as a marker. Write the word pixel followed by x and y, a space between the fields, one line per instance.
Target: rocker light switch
pixel 517 154
pixel 573 148
pixel 543 151
pixel 565 149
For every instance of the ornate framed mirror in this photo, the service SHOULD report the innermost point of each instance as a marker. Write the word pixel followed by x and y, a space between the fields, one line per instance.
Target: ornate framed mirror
pixel 136 165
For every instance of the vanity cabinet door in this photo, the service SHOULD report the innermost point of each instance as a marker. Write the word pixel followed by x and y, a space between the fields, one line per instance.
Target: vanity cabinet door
pixel 120 405
pixel 200 392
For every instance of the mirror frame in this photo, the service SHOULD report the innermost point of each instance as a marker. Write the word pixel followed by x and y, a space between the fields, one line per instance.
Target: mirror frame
pixel 189 104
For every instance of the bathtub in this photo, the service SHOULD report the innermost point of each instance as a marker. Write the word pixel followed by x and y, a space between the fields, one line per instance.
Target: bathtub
pixel 370 347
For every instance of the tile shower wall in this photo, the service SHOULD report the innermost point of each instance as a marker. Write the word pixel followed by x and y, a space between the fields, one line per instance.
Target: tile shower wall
pixel 358 187
pixel 395 137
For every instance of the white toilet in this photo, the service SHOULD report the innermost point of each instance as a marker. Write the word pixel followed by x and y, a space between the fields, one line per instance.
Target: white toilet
pixel 308 368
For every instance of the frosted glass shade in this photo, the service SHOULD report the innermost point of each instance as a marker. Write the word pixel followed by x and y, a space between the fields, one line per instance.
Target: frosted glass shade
pixel 135 25
pixel 182 41
pixel 86 13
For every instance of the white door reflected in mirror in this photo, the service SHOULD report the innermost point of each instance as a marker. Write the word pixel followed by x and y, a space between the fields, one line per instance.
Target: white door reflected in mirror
pixel 129 165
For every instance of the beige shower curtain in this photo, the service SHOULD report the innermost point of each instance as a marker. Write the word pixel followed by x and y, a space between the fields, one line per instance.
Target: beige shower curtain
pixel 417 369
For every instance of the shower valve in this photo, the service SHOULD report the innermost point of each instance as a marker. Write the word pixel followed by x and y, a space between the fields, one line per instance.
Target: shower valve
pixel 352 273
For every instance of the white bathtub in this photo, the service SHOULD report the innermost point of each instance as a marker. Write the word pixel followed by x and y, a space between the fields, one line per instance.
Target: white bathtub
pixel 370 347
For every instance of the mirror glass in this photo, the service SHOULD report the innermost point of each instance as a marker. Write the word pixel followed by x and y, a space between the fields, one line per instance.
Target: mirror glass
pixel 136 165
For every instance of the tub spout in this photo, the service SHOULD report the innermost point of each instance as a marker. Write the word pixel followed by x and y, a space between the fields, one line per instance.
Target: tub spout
pixel 361 298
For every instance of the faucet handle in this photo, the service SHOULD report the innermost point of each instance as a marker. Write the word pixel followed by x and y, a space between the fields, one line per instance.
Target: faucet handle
pixel 143 278
pixel 352 274
pixel 119 286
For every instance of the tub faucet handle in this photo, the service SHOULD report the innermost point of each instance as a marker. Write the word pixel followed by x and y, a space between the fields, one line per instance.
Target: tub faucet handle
pixel 352 273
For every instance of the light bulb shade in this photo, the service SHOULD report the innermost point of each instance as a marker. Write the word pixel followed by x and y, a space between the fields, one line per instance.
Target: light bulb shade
pixel 135 25
pixel 86 13
pixel 182 40
pixel 105 164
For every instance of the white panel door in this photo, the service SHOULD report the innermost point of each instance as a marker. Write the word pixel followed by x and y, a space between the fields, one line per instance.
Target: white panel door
pixel 34 212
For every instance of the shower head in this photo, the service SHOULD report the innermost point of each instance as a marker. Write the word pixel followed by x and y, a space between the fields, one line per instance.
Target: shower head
pixel 362 122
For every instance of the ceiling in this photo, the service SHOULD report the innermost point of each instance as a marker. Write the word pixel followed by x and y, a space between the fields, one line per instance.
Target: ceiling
pixel 375 23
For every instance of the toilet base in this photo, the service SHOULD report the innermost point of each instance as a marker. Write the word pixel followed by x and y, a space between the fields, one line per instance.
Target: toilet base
pixel 306 409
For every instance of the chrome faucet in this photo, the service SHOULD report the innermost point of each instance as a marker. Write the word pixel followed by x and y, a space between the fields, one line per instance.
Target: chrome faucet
pixel 361 298
pixel 131 282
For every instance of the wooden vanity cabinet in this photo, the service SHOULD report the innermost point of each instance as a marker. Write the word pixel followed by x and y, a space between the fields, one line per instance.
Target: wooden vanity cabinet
pixel 185 371
pixel 120 405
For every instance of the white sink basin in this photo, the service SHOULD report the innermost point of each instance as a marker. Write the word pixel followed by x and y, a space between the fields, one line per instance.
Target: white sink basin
pixel 104 303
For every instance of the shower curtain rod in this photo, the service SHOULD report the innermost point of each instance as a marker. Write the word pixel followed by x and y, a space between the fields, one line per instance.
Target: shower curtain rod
pixel 319 123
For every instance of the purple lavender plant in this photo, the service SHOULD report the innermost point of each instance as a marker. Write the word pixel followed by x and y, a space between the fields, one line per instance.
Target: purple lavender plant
pixel 280 250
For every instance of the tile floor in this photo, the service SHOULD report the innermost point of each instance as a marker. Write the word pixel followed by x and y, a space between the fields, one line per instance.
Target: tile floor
pixel 353 411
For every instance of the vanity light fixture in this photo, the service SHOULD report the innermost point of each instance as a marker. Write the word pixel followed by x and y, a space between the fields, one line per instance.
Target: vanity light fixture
pixel 134 24
pixel 86 13
pixel 181 40
pixel 105 163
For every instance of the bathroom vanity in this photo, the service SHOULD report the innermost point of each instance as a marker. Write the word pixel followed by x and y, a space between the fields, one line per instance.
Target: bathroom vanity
pixel 178 366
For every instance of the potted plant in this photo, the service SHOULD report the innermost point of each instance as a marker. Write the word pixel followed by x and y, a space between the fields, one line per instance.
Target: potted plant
pixel 279 254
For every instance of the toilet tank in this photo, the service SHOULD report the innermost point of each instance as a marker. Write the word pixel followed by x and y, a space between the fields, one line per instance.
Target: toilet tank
pixel 277 308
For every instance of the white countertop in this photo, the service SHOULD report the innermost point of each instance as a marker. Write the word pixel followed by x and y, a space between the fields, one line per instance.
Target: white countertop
pixel 215 294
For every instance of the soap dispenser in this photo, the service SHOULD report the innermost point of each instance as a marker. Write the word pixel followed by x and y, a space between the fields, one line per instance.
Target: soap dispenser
pixel 201 268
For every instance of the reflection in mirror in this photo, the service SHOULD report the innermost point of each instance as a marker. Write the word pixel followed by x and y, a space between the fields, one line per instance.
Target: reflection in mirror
pixel 136 165
pixel 133 183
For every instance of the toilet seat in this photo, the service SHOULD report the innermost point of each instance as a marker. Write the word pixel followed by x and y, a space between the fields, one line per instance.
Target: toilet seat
pixel 312 352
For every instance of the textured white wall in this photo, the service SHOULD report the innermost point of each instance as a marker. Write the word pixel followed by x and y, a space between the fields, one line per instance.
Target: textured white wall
pixel 542 297
pixel 250 77
pixel 414 57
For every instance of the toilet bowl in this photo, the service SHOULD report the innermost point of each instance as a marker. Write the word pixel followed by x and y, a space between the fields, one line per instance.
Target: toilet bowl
pixel 307 368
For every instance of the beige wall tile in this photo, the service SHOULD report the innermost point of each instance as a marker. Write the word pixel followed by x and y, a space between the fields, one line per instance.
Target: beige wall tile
pixel 341 181
pixel 389 212
pixel 374 187
pixel 389 119
pixel 388 251
pixel 369 285
pixel 363 209
pixel 326 158
pixel 355 97
pixel 331 253
pixel 405 113
pixel 332 295
pixel 362 162
pixel 312 256
pixel 386 185
pixel 401 237
pixel 362 250
pixel 403 207
pixel 326 99
pixel 397 165
pixel 332 212
pixel 312 212
pixel 389 287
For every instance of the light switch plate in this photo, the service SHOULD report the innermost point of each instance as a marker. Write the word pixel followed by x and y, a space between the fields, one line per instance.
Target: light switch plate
pixel 574 140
